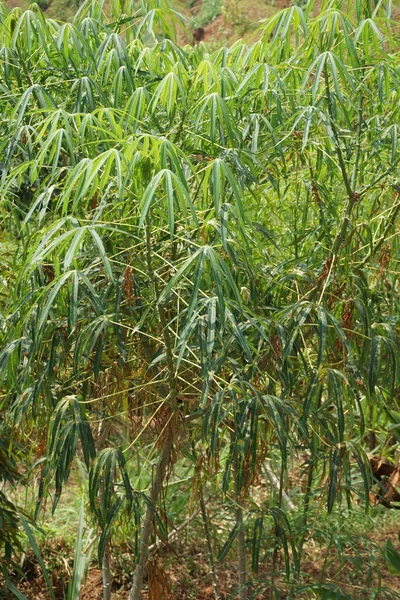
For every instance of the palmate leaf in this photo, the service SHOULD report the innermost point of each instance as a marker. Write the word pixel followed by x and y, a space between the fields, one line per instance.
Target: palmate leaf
pixel 285 535
pixel 336 390
pixel 123 82
pixel 217 177
pixel 73 46
pixel 50 299
pixel 211 325
pixel 220 119
pixel 7 351
pixel 334 29
pixel 166 93
pixel 42 201
pixel 364 466
pixel 33 93
pixel 175 191
pixel 104 492
pixel 172 157
pixel 258 78
pixel 337 70
pixel 106 530
pixel 108 463
pixel 92 339
pixel 67 426
pixel 102 252
pixel 90 177
pixel 51 151
pixel 276 412
pixel 208 77
pixel 158 20
pixel 68 245
pixel 221 276
pixel 52 296
pixel 303 309
pixel 373 367
pixel 136 105
pixel 213 418
pixel 239 331
pixel 371 38
pixel 112 42
pixel 287 23
pixel 32 30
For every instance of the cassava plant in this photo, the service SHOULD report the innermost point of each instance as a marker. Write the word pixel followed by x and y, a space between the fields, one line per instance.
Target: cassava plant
pixel 207 249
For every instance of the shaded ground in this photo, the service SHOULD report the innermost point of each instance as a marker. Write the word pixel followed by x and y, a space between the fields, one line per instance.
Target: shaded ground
pixel 181 572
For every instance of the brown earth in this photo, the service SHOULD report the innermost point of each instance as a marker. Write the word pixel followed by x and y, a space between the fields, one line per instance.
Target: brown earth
pixel 182 572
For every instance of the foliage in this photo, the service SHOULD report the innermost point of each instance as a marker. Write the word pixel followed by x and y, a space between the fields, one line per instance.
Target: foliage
pixel 8 512
pixel 207 254
pixel 80 564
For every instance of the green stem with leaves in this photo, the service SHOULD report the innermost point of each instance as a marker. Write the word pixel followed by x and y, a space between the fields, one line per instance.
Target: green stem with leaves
pixel 165 456
pixel 351 196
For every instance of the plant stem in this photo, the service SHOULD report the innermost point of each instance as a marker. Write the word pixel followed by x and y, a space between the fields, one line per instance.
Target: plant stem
pixel 241 553
pixel 106 564
pixel 341 235
pixel 156 487
pixel 242 576
pixel 358 143
pixel 338 149
pixel 104 432
pixel 306 507
pixel 204 517
pixel 352 197
pixel 166 450
pixel 209 544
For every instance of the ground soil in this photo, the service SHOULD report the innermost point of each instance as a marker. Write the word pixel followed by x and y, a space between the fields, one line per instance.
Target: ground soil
pixel 181 572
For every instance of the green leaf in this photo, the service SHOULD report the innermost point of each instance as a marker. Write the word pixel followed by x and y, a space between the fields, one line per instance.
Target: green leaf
pixel 373 365
pixel 75 584
pixel 392 557
pixel 228 544
pixel 333 479
pixel 36 551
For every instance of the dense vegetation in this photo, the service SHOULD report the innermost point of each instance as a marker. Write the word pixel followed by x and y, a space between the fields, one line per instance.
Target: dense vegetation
pixel 200 282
